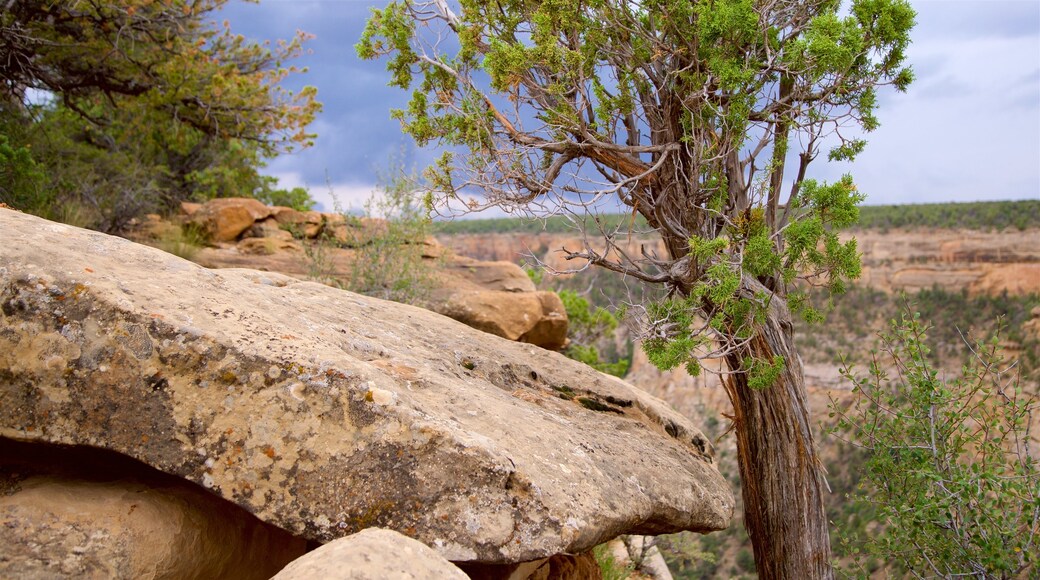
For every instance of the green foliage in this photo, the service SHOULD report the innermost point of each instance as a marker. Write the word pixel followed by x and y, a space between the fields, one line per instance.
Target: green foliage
pixel 297 198
pixel 608 565
pixel 388 262
pixel 151 104
pixel 949 465
pixel 165 56
pixel 587 327
pixel 981 215
pixel 764 374
pixel 21 177
pixel 535 274
pixel 672 339
pixel 693 556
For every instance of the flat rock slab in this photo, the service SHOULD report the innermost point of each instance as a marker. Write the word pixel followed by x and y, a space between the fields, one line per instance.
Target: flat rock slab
pixel 325 412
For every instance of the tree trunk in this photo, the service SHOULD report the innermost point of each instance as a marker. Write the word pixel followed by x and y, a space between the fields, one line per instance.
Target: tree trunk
pixel 781 474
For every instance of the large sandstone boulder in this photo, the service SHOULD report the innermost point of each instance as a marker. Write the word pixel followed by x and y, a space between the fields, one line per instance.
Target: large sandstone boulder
pixel 499 298
pixel 84 513
pixel 224 219
pixel 372 554
pixel 467 273
pixel 305 224
pixel 325 412
pixel 534 317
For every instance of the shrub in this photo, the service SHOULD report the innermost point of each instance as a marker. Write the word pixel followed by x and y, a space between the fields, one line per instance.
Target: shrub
pixel 21 178
pixel 949 464
pixel 609 566
pixel 390 264
pixel 184 242
pixel 297 198
pixel 589 329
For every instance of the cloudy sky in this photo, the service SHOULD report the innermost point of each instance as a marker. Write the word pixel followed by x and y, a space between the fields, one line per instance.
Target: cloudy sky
pixel 968 129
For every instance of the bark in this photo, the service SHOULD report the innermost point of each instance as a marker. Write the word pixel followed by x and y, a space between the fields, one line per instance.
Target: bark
pixel 780 471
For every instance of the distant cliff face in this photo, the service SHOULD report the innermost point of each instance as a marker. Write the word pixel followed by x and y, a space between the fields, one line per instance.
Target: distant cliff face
pixel 983 263
pixel 910 260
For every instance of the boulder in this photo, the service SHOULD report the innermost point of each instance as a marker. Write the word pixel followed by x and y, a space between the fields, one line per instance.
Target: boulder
pixel 372 554
pixel 550 331
pixel 467 273
pixel 268 228
pixel 324 412
pixel 354 231
pixel 1032 326
pixel 533 317
pixel 75 512
pixel 188 208
pixel 432 249
pixel 303 224
pixel 224 219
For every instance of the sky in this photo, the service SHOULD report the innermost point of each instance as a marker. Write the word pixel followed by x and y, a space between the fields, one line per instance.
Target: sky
pixel 968 128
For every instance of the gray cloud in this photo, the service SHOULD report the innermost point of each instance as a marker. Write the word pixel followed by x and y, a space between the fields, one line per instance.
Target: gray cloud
pixel 975 19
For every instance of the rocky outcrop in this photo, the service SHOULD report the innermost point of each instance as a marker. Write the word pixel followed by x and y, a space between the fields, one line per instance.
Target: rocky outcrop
pixel 1032 326
pixel 499 298
pixel 325 412
pixel 496 297
pixel 76 512
pixel 533 317
pixel 224 220
pixel 370 555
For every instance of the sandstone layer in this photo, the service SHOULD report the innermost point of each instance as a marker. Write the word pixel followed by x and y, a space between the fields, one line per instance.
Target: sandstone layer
pixel 324 412
pixel 75 512
pixel 976 261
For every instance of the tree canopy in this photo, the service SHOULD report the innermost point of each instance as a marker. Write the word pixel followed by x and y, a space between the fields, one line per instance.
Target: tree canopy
pixel 702 116
pixel 690 113
pixel 177 105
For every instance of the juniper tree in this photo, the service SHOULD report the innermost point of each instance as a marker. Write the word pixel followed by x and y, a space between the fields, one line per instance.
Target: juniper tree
pixel 703 116
pixel 152 103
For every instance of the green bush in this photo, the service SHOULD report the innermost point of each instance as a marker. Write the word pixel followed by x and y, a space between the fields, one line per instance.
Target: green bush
pixel 589 329
pixel 21 179
pixel 608 566
pixel 949 466
pixel 297 198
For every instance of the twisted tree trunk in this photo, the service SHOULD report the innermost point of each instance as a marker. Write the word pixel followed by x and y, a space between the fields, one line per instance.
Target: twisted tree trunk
pixel 780 470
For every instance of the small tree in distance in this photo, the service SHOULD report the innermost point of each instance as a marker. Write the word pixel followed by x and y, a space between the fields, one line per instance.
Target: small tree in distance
pixel 703 116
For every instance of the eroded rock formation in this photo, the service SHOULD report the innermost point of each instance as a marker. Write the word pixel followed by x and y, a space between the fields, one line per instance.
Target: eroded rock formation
pixel 324 412
pixel 78 512
pixel 496 297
